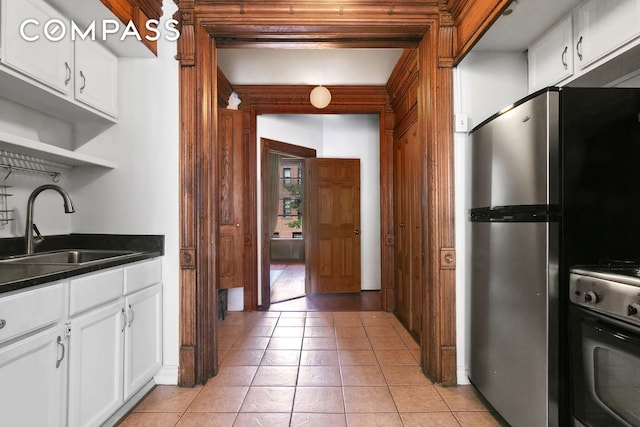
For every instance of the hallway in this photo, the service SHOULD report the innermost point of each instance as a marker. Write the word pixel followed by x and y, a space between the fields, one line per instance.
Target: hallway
pixel 314 369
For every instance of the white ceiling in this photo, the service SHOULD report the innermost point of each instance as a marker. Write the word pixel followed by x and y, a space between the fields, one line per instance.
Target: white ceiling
pixel 514 33
pixel 308 66
pixel 530 18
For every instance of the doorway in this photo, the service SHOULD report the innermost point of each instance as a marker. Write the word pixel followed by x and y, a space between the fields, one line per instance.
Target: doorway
pixel 340 136
pixel 283 248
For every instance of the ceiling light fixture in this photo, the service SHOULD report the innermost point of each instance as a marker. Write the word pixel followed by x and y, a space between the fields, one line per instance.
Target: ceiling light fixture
pixel 320 97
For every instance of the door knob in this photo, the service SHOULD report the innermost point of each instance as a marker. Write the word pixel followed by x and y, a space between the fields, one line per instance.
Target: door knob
pixel 356 231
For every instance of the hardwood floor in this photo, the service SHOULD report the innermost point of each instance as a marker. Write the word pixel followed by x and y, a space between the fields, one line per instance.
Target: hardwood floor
pixel 357 301
pixel 288 294
pixel 287 281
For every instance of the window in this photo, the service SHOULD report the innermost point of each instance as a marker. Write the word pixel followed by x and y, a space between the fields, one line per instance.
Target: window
pixel 286 176
pixel 299 175
pixel 286 207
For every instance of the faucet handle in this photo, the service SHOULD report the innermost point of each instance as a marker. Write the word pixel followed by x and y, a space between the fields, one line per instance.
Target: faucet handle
pixel 35 229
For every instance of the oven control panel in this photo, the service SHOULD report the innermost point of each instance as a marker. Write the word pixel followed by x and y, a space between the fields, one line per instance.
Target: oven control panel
pixel 608 293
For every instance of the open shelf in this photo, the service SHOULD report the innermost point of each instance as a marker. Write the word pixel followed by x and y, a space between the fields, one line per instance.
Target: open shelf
pixel 19 145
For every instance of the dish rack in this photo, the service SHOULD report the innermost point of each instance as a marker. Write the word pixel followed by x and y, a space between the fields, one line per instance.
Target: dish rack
pixel 6 213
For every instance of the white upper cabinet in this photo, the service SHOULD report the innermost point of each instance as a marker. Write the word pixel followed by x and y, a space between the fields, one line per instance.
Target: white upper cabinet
pixel 96 76
pixel 602 26
pixel 27 49
pixel 551 56
pixel 46 65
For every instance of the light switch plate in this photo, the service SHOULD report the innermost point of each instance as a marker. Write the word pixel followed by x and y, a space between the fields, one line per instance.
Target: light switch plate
pixel 462 122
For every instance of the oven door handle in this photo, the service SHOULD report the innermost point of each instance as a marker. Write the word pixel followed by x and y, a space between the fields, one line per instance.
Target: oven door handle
pixel 602 327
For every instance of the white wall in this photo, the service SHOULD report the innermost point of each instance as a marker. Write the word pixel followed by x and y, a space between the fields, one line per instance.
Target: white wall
pixel 485 82
pixel 339 136
pixel 140 196
pixel 49 215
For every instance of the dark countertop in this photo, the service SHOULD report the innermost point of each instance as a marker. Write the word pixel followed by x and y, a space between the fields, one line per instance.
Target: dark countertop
pixel 20 276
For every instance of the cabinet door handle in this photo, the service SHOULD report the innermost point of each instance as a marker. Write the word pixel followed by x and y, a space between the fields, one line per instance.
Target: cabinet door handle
pixel 124 319
pixel 3 323
pixel 579 48
pixel 67 78
pixel 84 82
pixel 564 57
pixel 60 344
pixel 131 315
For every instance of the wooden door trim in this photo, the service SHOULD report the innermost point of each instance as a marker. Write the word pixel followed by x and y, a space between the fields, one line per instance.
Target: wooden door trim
pixel 267 145
pixel 445 42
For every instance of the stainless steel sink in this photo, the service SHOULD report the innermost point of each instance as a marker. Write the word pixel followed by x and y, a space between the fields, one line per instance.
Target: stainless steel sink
pixel 68 256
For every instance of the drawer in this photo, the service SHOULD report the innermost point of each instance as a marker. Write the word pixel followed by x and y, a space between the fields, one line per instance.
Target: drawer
pixel 27 311
pixel 95 289
pixel 142 275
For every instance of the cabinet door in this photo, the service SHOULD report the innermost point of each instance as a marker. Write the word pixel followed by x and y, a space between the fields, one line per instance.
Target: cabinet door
pixel 603 26
pixel 95 365
pixel 143 338
pixel 49 62
pixel 96 76
pixel 33 382
pixel 551 56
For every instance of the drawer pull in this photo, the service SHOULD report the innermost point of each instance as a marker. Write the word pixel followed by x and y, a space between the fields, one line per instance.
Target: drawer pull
pixel 84 82
pixel 579 48
pixel 61 344
pixel 67 70
pixel 2 323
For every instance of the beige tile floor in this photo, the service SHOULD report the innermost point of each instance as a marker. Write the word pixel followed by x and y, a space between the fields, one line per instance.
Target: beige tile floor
pixel 326 369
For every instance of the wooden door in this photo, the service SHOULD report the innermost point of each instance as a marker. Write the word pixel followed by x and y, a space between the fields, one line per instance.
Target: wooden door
pixel 332 224
pixel 408 229
pixel 414 226
pixel 403 282
pixel 231 248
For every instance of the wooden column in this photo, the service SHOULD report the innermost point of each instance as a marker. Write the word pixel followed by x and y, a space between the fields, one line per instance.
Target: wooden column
pixel 198 297
pixel 436 113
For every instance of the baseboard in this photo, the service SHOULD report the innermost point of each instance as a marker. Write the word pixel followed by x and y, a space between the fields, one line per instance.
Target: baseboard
pixel 462 375
pixel 129 405
pixel 167 375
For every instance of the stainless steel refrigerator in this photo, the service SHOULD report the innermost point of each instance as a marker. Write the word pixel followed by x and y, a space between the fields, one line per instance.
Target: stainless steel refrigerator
pixel 552 180
pixel 515 248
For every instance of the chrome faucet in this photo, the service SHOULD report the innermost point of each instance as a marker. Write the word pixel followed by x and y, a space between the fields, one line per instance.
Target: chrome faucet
pixel 68 208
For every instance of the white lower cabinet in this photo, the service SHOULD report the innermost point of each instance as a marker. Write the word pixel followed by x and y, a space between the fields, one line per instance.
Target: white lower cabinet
pixel 143 338
pixel 115 340
pixel 33 376
pixel 95 364
pixel 73 353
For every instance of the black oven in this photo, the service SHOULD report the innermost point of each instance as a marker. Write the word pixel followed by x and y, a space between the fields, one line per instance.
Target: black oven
pixel 605 350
